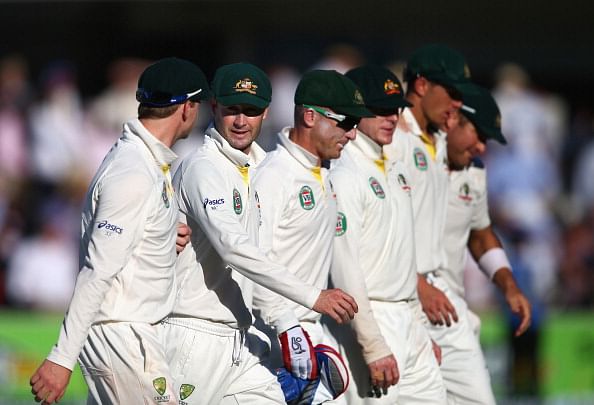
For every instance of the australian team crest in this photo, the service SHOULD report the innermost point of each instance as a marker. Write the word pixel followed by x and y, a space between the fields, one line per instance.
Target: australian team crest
pixel 306 198
pixel 420 159
pixel 185 390
pixel 237 204
pixel 246 85
pixel 164 195
pixel 376 187
pixel 341 224
pixel 391 88
pixel 403 183
pixel 160 385
pixel 464 193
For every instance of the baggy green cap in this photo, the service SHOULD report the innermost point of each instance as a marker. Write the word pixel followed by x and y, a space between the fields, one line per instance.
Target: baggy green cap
pixel 440 64
pixel 380 87
pixel 171 81
pixel 242 83
pixel 481 109
pixel 328 88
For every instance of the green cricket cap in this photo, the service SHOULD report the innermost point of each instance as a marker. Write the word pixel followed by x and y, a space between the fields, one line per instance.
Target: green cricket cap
pixel 171 81
pixel 379 86
pixel 242 83
pixel 328 88
pixel 481 109
pixel 440 64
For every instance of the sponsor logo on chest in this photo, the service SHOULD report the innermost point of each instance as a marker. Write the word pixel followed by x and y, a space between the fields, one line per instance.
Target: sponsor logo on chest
pixel 464 193
pixel 403 183
pixel 110 229
pixel 420 159
pixel 237 204
pixel 306 198
pixel 376 187
pixel 341 224
pixel 213 203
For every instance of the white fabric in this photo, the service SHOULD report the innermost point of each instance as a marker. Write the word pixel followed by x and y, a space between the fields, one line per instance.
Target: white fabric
pixel 463 365
pixel 127 251
pixel 492 261
pixel 467 210
pixel 297 225
pixel 218 364
pixel 374 254
pixel 221 208
pixel 134 373
pixel 429 182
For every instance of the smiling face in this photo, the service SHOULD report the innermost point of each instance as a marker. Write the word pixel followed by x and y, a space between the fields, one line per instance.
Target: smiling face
pixel 329 137
pixel 240 125
pixel 464 143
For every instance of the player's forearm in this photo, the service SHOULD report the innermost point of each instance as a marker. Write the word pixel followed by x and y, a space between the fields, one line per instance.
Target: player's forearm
pixel 505 282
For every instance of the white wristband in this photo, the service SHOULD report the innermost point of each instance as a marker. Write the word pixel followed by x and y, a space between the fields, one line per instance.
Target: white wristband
pixel 493 260
pixel 285 321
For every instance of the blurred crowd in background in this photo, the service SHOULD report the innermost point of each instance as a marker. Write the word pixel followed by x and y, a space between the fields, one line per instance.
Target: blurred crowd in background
pixel 52 139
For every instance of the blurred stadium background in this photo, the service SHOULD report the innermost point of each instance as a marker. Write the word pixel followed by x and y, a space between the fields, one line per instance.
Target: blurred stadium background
pixel 68 73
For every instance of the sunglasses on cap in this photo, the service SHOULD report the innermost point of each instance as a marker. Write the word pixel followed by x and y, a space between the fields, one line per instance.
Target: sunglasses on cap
pixel 162 99
pixel 344 122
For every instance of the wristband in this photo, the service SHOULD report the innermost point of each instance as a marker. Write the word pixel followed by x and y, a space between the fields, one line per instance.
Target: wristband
pixel 493 260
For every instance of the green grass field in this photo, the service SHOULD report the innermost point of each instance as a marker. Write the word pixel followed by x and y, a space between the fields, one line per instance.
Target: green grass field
pixel 566 353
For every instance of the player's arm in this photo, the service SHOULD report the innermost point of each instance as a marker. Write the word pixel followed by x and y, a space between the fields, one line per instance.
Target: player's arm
pixel 108 249
pixel 487 250
pixel 347 274
pixel 233 244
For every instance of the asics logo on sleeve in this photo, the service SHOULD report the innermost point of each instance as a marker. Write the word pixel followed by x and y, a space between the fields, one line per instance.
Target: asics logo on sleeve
pixel 213 203
pixel 110 227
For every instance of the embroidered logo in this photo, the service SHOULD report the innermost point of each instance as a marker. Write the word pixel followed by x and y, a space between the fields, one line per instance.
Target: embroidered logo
pixel 237 205
pixel 391 88
pixel 165 196
pixel 358 98
pixel 403 183
pixel 306 198
pixel 213 203
pixel 464 193
pixel 420 159
pixel 109 229
pixel 160 385
pixel 341 224
pixel 376 187
pixel 185 390
pixel 245 85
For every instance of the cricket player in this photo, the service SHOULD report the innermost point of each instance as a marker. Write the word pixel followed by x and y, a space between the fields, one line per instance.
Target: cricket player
pixel 468 224
pixel 298 207
pixel 215 354
pixel 126 283
pixel 437 79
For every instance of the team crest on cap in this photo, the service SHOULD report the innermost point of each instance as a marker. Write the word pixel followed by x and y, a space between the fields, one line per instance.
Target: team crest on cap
pixel 464 193
pixel 185 390
pixel 498 121
pixel 245 85
pixel 466 71
pixel 358 97
pixel 403 183
pixel 237 204
pixel 376 187
pixel 306 198
pixel 391 88
pixel 420 159
pixel 341 224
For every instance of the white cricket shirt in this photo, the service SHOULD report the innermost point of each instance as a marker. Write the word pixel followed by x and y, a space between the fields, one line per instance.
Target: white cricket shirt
pixel 217 202
pixel 429 182
pixel 127 251
pixel 374 252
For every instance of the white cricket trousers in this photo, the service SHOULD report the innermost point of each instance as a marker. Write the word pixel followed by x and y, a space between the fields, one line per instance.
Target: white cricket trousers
pixel 402 327
pixel 463 365
pixel 213 363
pixel 124 363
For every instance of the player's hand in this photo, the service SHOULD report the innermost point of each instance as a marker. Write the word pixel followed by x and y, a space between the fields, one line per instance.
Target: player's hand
pixel 49 382
pixel 435 304
pixel 336 304
pixel 384 372
pixel 298 353
pixel 520 306
pixel 436 351
pixel 183 237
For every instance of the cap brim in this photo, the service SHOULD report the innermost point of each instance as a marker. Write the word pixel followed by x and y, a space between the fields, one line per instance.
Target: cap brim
pixel 244 98
pixel 388 103
pixel 492 133
pixel 354 111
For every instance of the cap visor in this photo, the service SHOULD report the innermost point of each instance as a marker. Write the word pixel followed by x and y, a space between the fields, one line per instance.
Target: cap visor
pixel 354 111
pixel 493 133
pixel 245 98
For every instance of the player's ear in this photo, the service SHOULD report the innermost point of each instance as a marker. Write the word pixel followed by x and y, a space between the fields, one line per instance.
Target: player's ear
pixel 421 85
